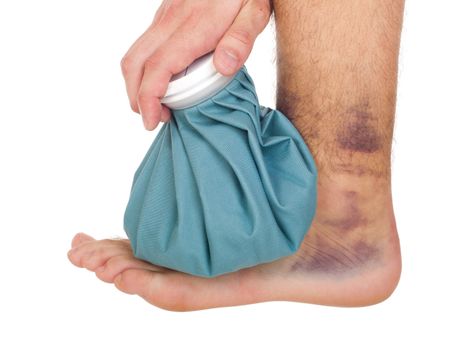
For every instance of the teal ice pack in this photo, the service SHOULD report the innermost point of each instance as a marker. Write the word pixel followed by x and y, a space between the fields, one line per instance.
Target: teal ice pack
pixel 226 184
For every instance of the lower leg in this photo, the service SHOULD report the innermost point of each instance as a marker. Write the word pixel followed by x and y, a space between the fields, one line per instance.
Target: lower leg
pixel 337 73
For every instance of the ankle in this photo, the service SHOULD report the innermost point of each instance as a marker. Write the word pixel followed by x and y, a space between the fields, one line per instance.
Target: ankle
pixel 350 204
pixel 351 253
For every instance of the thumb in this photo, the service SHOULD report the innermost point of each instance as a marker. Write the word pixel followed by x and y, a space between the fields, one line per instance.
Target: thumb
pixel 236 45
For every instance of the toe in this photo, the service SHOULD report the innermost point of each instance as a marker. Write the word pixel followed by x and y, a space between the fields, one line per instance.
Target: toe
pixel 80 238
pixel 177 291
pixel 117 264
pixel 138 281
pixel 94 254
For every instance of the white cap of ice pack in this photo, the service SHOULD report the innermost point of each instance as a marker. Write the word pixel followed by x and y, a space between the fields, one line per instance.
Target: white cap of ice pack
pixel 196 83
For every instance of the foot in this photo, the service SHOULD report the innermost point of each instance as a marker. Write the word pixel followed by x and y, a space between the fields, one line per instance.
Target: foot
pixel 350 257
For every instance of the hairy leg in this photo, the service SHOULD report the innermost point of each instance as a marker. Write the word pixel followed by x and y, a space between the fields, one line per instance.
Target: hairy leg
pixel 337 75
pixel 337 78
pixel 337 70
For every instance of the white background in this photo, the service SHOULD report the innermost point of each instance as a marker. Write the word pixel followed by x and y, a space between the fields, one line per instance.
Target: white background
pixel 69 146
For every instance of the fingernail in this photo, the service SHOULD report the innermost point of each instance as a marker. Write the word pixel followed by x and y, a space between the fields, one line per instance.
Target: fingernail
pixel 230 61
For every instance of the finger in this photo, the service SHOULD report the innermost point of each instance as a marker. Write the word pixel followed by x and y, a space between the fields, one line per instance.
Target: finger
pixel 133 61
pixel 165 114
pixel 173 56
pixel 236 45
pixel 117 264
pixel 166 21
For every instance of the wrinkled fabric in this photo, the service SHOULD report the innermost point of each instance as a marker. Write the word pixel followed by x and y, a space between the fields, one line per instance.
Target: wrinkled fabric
pixel 225 185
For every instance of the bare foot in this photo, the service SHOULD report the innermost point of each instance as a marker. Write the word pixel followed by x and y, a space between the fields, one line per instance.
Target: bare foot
pixel 339 91
pixel 350 257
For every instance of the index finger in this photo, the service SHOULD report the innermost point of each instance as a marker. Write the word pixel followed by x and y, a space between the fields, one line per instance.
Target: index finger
pixel 172 57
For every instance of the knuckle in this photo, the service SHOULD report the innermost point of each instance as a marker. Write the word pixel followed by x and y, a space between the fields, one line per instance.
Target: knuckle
pixel 151 64
pixel 241 35
pixel 261 12
pixel 167 12
pixel 126 64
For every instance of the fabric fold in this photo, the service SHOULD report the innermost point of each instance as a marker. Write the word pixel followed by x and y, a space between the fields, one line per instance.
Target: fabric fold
pixel 226 184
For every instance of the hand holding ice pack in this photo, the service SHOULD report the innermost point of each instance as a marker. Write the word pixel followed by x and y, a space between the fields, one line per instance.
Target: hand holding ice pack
pixel 225 185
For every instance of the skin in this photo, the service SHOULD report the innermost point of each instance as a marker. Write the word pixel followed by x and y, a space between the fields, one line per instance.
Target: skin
pixel 337 73
pixel 182 31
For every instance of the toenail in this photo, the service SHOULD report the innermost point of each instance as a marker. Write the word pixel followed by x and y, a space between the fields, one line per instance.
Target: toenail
pixel 118 279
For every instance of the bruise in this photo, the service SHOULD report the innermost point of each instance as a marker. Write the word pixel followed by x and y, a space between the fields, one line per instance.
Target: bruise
pixel 352 218
pixel 338 246
pixel 320 256
pixel 357 133
pixel 327 255
pixel 365 252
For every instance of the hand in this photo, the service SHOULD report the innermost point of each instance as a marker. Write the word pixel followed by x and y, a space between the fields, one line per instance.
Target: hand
pixel 182 31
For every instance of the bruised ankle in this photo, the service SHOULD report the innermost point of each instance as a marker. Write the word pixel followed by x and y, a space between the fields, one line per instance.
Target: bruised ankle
pixel 353 225
pixel 351 254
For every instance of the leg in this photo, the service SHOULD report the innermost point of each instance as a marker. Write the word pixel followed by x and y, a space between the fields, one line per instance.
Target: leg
pixel 337 73
pixel 337 67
